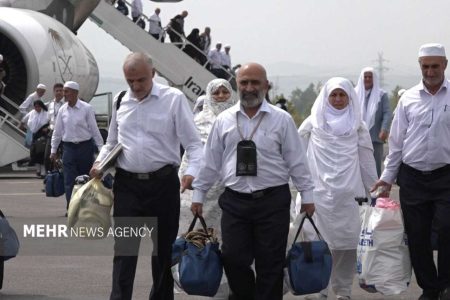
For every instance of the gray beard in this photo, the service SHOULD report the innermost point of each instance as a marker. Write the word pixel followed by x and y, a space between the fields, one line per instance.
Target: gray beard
pixel 249 103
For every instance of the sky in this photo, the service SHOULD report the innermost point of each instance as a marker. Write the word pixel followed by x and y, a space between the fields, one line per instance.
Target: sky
pixel 313 39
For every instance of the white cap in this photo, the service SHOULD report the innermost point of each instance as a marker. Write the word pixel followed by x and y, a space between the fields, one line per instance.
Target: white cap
pixel 432 49
pixel 41 86
pixel 72 85
pixel 227 46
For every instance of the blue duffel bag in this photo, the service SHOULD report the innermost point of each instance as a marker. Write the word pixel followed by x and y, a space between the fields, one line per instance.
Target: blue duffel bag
pixel 308 264
pixel 197 269
pixel 54 184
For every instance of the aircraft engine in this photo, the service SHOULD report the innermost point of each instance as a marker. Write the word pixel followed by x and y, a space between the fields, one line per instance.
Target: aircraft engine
pixel 38 49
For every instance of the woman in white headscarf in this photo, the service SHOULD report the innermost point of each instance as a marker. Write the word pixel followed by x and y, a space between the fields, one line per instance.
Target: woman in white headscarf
pixel 341 161
pixel 37 121
pixel 219 97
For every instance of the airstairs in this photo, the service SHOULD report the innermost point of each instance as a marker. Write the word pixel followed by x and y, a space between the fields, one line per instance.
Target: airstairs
pixel 12 138
pixel 169 60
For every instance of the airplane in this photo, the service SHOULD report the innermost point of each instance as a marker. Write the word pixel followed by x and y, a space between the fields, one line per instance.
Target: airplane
pixel 40 49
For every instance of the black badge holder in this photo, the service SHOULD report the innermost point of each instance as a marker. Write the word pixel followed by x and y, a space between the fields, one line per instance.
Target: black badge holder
pixel 246 158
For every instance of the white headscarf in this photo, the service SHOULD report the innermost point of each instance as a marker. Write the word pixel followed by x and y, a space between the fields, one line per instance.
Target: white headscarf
pixel 375 97
pixel 331 120
pixel 198 105
pixel 210 103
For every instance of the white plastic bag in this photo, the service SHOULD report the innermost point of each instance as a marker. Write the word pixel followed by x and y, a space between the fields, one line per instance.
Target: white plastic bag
pixel 90 207
pixel 383 262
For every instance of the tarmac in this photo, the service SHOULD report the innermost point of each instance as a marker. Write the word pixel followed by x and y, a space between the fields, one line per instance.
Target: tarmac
pixel 62 277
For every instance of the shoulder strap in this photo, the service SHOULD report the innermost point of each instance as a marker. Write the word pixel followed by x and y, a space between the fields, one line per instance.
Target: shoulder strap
pixel 119 99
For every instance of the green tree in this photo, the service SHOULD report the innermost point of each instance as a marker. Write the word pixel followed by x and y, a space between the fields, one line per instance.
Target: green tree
pixel 303 100
pixel 395 97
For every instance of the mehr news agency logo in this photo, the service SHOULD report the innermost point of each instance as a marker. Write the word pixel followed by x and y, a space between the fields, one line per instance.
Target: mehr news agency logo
pixel 86 232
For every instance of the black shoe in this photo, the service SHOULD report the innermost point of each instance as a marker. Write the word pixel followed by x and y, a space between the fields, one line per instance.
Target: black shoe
pixel 445 294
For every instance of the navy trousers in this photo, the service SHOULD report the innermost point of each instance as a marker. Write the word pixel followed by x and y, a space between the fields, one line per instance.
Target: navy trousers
pixel 77 160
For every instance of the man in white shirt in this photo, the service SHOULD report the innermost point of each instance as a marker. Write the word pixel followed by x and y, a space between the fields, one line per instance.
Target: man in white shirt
pixel 155 28
pixel 215 60
pixel 254 149
pixel 205 40
pixel 226 58
pixel 150 123
pixel 53 108
pixel 76 127
pixel 419 158
pixel 27 104
pixel 136 10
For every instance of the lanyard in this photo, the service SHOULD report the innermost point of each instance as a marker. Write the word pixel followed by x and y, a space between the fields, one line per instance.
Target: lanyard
pixel 254 129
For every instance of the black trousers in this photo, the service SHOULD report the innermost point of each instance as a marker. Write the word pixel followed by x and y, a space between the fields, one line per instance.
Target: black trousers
pixel 425 199
pixel 157 197
pixel 255 229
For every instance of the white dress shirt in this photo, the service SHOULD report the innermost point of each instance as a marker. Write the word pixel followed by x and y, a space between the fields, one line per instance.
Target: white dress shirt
pixel 420 131
pixel 136 8
pixel 150 131
pixel 28 104
pixel 215 59
pixel 155 24
pixel 35 120
pixel 226 59
pixel 75 124
pixel 53 108
pixel 280 153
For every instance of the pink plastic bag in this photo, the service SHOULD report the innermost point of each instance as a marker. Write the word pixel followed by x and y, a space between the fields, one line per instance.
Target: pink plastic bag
pixel 387 203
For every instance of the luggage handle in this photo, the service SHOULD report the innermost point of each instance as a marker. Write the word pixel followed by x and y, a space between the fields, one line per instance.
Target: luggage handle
pixel 202 221
pixel 56 165
pixel 301 225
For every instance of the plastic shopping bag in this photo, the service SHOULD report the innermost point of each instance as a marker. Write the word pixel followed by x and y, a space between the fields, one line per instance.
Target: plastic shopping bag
pixel 383 262
pixel 90 207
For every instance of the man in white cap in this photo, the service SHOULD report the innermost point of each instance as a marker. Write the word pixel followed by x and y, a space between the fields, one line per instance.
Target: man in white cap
pixel 226 61
pixel 419 159
pixel 27 104
pixel 76 127
pixel 375 110
pixel 226 58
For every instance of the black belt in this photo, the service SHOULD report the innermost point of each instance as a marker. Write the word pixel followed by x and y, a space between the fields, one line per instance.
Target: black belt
pixel 256 194
pixel 435 172
pixel 163 172
pixel 77 143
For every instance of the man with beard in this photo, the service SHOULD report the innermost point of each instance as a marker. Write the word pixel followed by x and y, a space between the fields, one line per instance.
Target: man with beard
pixel 254 148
